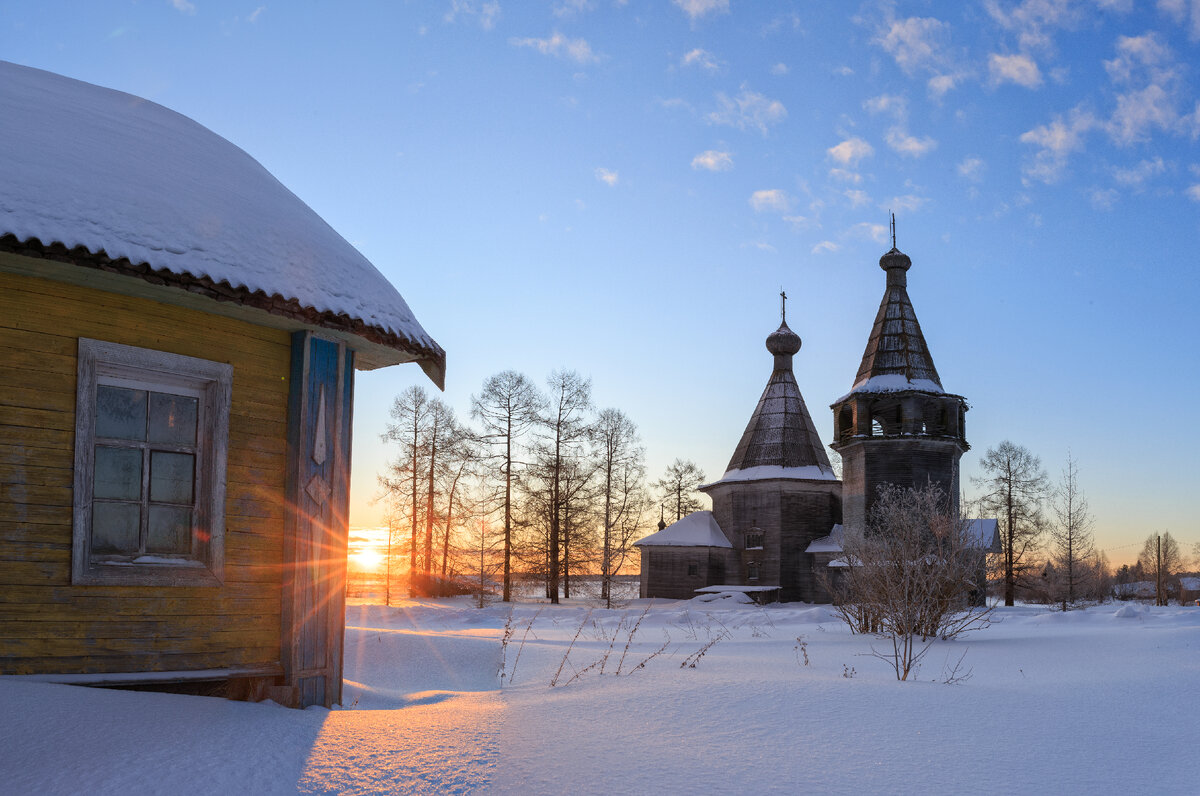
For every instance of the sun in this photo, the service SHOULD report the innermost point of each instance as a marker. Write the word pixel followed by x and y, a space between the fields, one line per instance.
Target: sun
pixel 367 558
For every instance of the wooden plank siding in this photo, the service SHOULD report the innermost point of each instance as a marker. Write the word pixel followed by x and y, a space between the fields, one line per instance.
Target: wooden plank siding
pixel 48 626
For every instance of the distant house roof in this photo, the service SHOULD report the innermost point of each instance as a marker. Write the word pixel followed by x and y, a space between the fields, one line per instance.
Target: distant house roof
pixel 1189 584
pixel 107 180
pixel 698 529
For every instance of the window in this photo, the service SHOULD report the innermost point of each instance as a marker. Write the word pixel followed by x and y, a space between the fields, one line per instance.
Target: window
pixel 754 539
pixel 752 571
pixel 151 430
pixel 693 569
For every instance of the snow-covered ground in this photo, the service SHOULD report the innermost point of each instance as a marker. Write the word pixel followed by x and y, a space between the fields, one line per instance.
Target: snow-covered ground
pixel 1105 700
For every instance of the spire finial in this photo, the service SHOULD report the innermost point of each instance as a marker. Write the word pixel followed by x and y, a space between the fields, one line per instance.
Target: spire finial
pixel 893 230
pixel 782 305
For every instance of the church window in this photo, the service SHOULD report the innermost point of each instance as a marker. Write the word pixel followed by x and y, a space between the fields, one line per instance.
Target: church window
pixel 752 571
pixel 754 540
pixel 693 569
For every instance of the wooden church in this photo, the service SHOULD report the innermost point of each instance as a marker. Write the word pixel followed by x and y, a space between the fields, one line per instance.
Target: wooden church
pixel 179 335
pixel 776 525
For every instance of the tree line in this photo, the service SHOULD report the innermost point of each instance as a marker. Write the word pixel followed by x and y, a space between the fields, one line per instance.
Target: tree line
pixel 1048 551
pixel 538 481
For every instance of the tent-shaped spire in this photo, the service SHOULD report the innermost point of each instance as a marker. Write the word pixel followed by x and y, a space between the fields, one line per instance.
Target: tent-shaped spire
pixel 780 439
pixel 896 356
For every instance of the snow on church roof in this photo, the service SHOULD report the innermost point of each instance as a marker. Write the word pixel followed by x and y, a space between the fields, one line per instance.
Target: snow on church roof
pixel 91 167
pixel 698 529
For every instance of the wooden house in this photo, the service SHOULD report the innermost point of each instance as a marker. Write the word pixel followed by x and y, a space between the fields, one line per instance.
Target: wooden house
pixel 179 335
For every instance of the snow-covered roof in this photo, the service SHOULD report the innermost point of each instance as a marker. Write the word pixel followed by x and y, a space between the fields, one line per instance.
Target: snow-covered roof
pixel 698 529
pixel 808 472
pixel 828 544
pixel 893 382
pixel 984 534
pixel 85 166
pixel 1190 583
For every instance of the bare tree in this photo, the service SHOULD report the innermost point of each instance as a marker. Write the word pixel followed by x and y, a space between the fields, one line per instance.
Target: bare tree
pixel 678 487
pixel 1015 486
pixel 507 407
pixel 911 574
pixel 1162 560
pixel 410 415
pixel 623 473
pixel 562 431
pixel 1071 536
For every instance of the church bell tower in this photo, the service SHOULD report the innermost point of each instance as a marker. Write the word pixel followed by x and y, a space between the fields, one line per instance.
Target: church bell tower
pixel 897 425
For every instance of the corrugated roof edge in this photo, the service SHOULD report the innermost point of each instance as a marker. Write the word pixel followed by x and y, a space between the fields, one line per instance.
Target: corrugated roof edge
pixel 431 358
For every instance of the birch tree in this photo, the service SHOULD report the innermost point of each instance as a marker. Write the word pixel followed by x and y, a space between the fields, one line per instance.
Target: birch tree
pixel 410 415
pixel 1161 560
pixel 623 473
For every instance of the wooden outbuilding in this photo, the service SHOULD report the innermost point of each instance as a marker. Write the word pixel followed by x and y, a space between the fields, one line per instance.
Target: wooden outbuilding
pixel 179 335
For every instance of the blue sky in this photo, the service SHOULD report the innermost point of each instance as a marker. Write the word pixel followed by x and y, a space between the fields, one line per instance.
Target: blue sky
pixel 623 187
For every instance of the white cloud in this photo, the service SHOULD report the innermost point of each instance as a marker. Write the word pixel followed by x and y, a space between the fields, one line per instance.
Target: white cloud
pixel 485 13
pixel 938 85
pixel 846 176
pixel 971 168
pixel 772 199
pixel 1139 112
pixel 571 7
pixel 1104 199
pixel 779 69
pixel 1034 20
pixel 701 8
pixel 748 110
pixel 1183 12
pixel 1056 141
pixel 183 6
pixel 797 222
pixel 675 103
pixel 1136 176
pixel 758 244
pixel 607 176
pixel 902 203
pixel 560 46
pixel 843 71
pixel 888 103
pixel 908 145
pixel 915 43
pixel 1193 192
pixel 857 198
pixel 701 58
pixel 255 14
pixel 851 151
pixel 1141 58
pixel 713 160
pixel 875 232
pixel 825 246
pixel 1019 69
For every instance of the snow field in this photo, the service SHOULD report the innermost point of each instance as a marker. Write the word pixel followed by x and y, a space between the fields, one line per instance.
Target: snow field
pixel 1097 701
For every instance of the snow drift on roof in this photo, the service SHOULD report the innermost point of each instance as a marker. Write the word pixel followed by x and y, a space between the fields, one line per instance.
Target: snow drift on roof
pixel 698 529
pixel 808 472
pixel 92 167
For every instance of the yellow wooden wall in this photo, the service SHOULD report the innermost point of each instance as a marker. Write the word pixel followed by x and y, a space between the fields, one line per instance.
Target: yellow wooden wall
pixel 46 624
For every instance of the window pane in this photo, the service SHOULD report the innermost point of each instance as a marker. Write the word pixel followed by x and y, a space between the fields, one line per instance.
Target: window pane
pixel 172 419
pixel 171 477
pixel 120 413
pixel 170 530
pixel 118 473
pixel 115 528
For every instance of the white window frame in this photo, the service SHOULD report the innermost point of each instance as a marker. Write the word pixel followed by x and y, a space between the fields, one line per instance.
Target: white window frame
pixel 103 363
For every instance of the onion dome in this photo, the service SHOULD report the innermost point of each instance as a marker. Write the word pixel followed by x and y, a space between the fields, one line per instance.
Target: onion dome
pixel 783 341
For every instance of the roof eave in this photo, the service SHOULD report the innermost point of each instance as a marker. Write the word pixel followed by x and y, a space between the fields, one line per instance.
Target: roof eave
pixel 374 347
